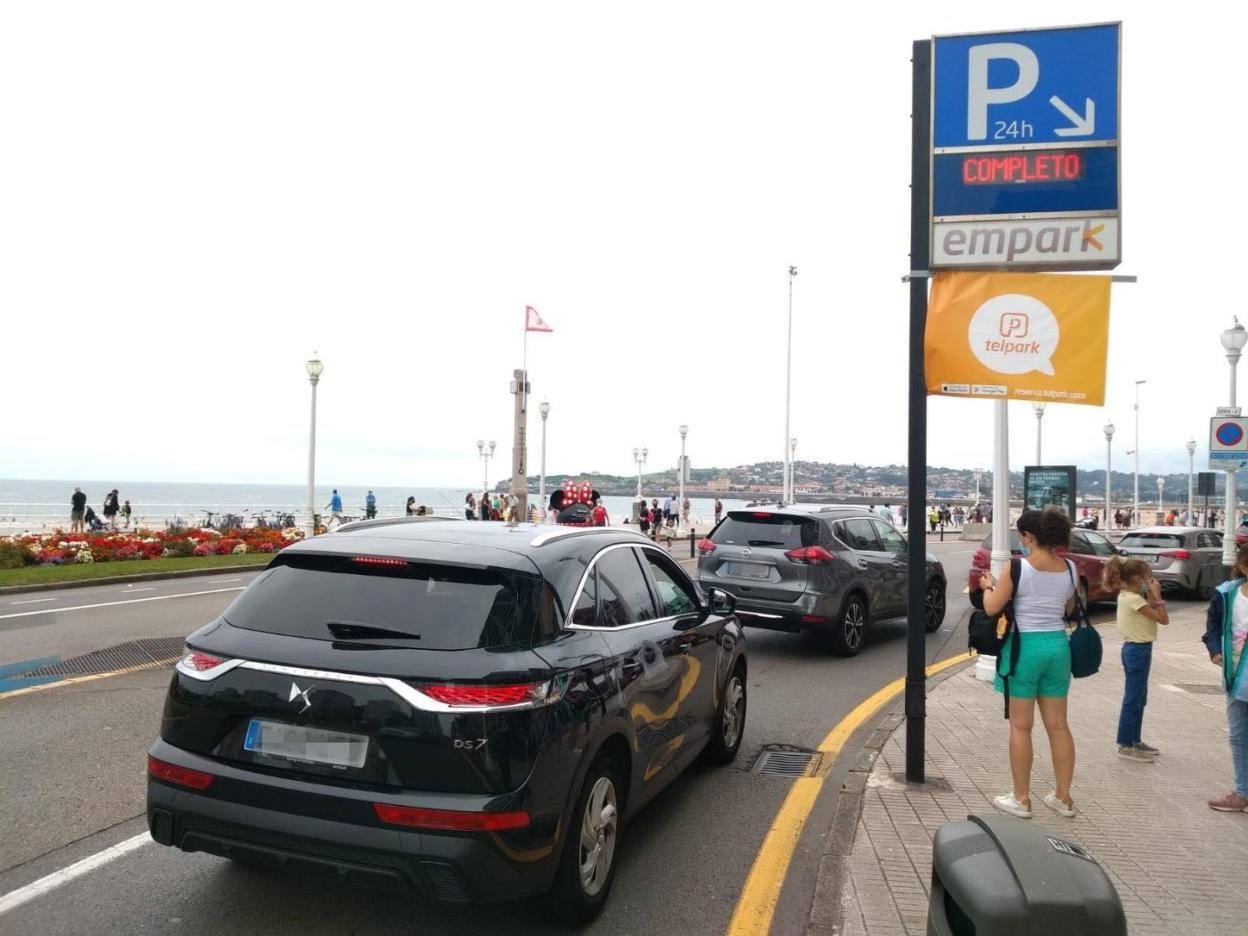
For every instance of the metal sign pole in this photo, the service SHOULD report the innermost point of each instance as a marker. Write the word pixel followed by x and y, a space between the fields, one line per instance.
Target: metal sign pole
pixel 920 236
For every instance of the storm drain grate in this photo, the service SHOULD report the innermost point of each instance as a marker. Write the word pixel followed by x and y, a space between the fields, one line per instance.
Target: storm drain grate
pixel 1200 688
pixel 122 656
pixel 787 763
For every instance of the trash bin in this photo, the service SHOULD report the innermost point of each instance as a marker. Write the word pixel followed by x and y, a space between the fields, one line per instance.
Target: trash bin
pixel 1000 875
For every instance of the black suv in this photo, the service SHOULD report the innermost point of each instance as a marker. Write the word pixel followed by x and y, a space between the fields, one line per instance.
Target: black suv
pixel 472 709
pixel 828 569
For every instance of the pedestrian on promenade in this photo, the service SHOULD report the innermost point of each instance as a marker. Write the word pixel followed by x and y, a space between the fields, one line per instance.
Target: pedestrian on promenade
pixel 470 507
pixel 370 506
pixel 1226 632
pixel 643 518
pixel 77 509
pixel 599 513
pixel 719 510
pixel 684 511
pixel 409 509
pixel 667 510
pixel 111 508
pixel 125 514
pixel 335 509
pixel 1140 609
pixel 1046 594
pixel 656 518
pixel 903 515
pixel 933 517
pixel 885 512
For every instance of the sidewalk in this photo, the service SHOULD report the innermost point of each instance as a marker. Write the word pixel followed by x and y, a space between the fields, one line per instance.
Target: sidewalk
pixel 1178 866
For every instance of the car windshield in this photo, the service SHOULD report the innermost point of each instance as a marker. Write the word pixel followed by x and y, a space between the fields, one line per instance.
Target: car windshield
pixel 1150 541
pixel 427 606
pixel 1016 544
pixel 762 529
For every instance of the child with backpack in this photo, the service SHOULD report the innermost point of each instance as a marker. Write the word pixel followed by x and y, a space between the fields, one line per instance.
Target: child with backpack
pixel 1226 632
pixel 1140 609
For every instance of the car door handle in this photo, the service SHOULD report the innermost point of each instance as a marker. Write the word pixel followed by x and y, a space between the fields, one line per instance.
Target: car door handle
pixel 632 667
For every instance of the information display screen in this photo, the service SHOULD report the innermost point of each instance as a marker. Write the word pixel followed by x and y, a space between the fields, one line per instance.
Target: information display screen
pixel 1022 168
pixel 1050 486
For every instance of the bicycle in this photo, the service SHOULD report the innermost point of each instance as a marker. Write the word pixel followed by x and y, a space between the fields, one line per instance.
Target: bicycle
pixel 210 520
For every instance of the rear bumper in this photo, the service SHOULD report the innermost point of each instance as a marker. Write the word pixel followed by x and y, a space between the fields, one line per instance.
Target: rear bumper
pixel 449 867
pixel 777 615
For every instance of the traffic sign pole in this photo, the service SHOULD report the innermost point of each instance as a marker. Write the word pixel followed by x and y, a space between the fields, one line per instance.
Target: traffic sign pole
pixel 920 252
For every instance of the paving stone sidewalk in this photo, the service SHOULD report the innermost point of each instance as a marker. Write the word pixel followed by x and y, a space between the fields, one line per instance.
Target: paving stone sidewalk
pixel 1178 866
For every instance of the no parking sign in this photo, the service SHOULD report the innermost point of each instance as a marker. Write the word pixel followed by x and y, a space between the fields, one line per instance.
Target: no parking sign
pixel 1228 443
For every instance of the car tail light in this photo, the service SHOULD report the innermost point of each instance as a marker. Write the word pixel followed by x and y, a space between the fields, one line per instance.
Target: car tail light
pixel 705 546
pixel 450 819
pixel 200 662
pixel 812 619
pixel 379 561
pixel 810 555
pixel 1177 554
pixel 763 516
pixel 182 776
pixel 480 696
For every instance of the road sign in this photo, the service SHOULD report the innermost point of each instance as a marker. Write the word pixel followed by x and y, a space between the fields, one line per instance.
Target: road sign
pixel 1228 411
pixel 1228 443
pixel 1025 149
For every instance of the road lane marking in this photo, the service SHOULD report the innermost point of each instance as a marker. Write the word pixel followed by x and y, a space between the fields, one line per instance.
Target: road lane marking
pixel 761 894
pixel 109 604
pixel 131 590
pixel 14 899
pixel 75 680
pixel 32 601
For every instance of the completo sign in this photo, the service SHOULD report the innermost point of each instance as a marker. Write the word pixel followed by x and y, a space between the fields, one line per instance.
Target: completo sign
pixel 1051 242
pixel 1001 335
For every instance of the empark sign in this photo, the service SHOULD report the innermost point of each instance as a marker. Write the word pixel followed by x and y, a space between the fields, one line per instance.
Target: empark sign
pixel 1046 242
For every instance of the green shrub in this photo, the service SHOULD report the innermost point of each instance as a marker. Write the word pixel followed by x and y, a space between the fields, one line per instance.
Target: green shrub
pixel 180 547
pixel 15 556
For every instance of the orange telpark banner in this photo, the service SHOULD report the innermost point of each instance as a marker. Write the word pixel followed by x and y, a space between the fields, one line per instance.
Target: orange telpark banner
pixel 1030 336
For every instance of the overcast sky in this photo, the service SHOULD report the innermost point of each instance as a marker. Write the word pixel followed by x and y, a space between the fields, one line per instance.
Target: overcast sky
pixel 197 196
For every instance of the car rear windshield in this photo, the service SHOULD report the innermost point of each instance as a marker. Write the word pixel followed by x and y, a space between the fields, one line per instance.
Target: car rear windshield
pixel 422 605
pixel 762 529
pixel 1150 541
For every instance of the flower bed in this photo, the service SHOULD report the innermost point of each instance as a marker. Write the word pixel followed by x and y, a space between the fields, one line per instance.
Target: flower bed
pixel 60 547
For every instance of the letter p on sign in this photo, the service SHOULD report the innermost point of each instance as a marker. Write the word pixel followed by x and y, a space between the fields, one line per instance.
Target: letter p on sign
pixel 979 95
pixel 1014 325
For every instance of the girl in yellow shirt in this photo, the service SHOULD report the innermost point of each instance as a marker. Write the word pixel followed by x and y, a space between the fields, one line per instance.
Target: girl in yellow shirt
pixel 1140 609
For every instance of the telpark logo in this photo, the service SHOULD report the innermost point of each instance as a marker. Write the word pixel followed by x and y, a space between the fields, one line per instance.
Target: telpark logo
pixel 1014 334
pixel 1084 242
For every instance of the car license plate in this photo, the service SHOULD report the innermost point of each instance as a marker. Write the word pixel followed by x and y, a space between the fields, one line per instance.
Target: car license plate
pixel 314 745
pixel 750 570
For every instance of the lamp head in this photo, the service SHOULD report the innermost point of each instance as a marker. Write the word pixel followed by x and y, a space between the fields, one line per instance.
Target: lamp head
pixel 1039 408
pixel 480 446
pixel 1191 446
pixel 492 444
pixel 1234 339
pixel 684 431
pixel 314 367
pixel 645 453
pixel 544 409
pixel 1109 431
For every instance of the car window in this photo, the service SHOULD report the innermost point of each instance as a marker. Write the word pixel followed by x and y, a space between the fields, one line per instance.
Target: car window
pixel 623 594
pixel 1079 545
pixel 764 529
pixel 1206 541
pixel 1150 541
pixel 1100 545
pixel 586 610
pixel 858 533
pixel 890 540
pixel 676 595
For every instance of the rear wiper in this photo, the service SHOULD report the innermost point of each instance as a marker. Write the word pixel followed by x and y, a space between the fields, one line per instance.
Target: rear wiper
pixel 765 543
pixel 356 629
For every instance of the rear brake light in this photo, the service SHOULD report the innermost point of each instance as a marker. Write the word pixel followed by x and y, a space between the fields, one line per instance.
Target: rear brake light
pixel 478 696
pixel 379 561
pixel 200 662
pixel 182 776
pixel 761 515
pixel 812 619
pixel 813 555
pixel 705 546
pixel 1177 554
pixel 450 819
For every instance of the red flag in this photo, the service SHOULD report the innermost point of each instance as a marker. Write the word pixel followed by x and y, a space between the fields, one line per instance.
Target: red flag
pixel 533 321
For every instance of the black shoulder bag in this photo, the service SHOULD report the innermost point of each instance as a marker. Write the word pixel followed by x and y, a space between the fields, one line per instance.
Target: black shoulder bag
pixel 982 635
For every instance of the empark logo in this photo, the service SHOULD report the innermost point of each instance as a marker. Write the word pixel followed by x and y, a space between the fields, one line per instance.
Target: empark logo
pixel 1014 334
pixel 1077 241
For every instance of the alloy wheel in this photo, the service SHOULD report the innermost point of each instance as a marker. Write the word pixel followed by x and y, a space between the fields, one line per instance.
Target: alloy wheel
pixel 598 833
pixel 852 624
pixel 734 711
pixel 934 606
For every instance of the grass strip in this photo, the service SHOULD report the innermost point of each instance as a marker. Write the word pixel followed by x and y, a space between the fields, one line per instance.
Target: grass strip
pixel 79 572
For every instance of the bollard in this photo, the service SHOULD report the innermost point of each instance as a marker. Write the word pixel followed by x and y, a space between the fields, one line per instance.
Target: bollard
pixel 942 531
pixel 691 539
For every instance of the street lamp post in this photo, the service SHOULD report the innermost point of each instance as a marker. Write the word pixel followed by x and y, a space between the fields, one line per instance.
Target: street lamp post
pixel 639 456
pixel 1191 473
pixel 314 368
pixel 486 454
pixel 1233 341
pixel 978 475
pixel 1161 500
pixel 788 382
pixel 680 507
pixel 1135 509
pixel 1039 408
pixel 1109 474
pixel 792 470
pixel 544 409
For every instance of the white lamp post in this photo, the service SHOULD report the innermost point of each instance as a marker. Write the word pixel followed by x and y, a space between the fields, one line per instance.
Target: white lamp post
pixel 1039 408
pixel 680 507
pixel 314 368
pixel 1233 341
pixel 978 475
pixel 1109 474
pixel 486 454
pixel 544 409
pixel 639 456
pixel 1135 510
pixel 792 470
pixel 788 381
pixel 1161 500
pixel 1191 475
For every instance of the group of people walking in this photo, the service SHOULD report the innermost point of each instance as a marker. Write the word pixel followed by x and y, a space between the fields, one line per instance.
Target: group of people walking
pixel 83 518
pixel 1039 675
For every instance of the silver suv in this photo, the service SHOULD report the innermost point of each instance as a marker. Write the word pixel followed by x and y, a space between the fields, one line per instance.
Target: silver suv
pixel 831 570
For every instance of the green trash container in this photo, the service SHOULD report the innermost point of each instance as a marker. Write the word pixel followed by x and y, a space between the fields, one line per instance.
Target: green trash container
pixel 1001 875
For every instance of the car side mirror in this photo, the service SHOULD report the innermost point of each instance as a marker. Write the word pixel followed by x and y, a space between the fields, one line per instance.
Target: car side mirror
pixel 720 601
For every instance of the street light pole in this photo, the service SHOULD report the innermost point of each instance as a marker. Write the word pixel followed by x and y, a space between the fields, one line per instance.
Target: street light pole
pixel 544 409
pixel 1233 341
pixel 788 384
pixel 486 455
pixel 1039 408
pixel 1191 474
pixel 684 431
pixel 640 458
pixel 1161 500
pixel 1135 510
pixel 792 470
pixel 314 368
pixel 1109 474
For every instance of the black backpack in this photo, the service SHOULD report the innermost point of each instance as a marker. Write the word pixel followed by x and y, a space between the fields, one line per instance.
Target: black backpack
pixel 982 636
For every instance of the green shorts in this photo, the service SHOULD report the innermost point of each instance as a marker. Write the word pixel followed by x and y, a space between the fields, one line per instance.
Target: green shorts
pixel 1043 666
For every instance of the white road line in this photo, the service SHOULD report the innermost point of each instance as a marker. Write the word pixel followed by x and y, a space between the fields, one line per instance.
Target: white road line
pixel 131 590
pixel 32 601
pixel 109 604
pixel 14 899
pixel 223 581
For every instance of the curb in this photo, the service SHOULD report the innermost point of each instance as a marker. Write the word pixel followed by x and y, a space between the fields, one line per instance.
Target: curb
pixel 121 579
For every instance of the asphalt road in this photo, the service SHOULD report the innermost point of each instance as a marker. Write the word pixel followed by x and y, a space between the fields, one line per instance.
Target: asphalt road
pixel 72 785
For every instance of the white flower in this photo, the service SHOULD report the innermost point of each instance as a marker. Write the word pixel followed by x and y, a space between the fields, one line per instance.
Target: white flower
pixel 240 549
pixel 84 556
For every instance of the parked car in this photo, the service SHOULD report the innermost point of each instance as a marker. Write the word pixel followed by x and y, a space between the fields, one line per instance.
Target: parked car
pixel 1181 557
pixel 833 570
pixel 1088 550
pixel 470 709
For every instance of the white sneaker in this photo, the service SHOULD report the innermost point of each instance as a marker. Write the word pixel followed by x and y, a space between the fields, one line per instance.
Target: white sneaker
pixel 1008 804
pixel 1058 806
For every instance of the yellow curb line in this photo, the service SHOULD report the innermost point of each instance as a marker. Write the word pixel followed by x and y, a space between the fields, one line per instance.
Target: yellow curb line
pixel 761 894
pixel 155 664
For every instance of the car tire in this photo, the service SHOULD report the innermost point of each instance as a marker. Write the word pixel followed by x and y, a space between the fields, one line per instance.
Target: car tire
pixel 933 606
pixel 847 632
pixel 1202 591
pixel 582 883
pixel 729 725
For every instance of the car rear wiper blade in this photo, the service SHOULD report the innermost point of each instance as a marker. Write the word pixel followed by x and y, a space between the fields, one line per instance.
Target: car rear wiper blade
pixel 362 631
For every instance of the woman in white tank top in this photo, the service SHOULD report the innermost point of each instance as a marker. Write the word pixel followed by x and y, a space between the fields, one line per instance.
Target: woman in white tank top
pixel 1046 592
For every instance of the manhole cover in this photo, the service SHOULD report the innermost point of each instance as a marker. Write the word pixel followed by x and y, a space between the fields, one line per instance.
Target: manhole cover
pixel 787 762
pixel 122 656
pixel 1200 688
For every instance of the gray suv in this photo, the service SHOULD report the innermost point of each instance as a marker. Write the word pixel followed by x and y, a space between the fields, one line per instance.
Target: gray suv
pixel 831 570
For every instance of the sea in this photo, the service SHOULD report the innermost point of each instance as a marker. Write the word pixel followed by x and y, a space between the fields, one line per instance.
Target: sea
pixel 44 505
